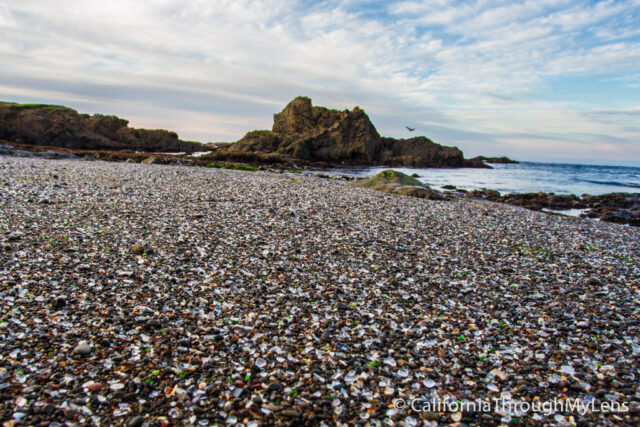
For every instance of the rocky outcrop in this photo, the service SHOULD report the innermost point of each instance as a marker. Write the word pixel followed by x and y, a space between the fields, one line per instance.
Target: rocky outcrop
pixel 56 126
pixel 502 160
pixel 317 134
pixel 621 208
pixel 395 182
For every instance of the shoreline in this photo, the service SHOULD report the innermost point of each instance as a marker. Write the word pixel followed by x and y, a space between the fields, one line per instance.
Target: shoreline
pixel 616 207
pixel 138 293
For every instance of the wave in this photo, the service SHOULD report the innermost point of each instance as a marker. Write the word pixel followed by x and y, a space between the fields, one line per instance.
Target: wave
pixel 614 183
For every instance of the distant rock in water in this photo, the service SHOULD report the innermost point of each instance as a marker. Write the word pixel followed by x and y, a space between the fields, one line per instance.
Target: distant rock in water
pixel 395 182
pixel 317 134
pixel 503 160
pixel 58 126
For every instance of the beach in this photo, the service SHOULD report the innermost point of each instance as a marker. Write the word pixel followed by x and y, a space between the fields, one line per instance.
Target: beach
pixel 176 295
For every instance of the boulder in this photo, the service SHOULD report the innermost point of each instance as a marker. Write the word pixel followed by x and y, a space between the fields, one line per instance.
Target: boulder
pixel 394 182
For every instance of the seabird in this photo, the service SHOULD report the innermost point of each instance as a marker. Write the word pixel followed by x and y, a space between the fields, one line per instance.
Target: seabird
pixel 410 129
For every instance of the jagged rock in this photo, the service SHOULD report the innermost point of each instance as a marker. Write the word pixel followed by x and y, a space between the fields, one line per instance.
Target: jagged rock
pixel 58 126
pixel 317 134
pixel 395 182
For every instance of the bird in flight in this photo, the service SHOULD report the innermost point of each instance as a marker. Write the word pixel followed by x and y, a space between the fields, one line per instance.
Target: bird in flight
pixel 410 129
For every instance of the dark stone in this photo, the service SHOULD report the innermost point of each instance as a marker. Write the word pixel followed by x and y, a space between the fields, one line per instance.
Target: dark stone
pixel 154 324
pixel 136 422
pixel 59 302
pixel 275 387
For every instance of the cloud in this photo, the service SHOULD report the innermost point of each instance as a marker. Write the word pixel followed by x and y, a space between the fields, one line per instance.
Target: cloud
pixel 471 72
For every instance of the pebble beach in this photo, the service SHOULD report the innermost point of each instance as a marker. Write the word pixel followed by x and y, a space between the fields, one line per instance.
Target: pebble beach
pixel 136 294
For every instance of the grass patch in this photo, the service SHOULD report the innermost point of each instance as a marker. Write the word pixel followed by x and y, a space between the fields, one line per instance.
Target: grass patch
pixel 50 109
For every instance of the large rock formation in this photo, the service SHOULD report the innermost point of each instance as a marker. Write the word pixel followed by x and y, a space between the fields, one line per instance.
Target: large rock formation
pixel 58 126
pixel 317 134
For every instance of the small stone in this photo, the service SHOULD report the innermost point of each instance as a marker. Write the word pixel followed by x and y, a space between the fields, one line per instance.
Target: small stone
pixel 59 302
pixel 154 324
pixel 138 249
pixel 275 387
pixel 14 236
pixel 290 413
pixel 95 387
pixel 136 421
pixel 343 306
pixel 150 160
pixel 83 348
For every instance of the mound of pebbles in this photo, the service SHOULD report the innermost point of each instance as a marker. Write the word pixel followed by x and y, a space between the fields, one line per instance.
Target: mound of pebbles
pixel 166 295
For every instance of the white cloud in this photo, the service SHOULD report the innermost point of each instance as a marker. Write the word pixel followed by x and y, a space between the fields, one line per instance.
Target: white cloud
pixel 214 69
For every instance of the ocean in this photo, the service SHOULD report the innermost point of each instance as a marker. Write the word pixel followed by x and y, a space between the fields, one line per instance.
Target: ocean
pixel 525 177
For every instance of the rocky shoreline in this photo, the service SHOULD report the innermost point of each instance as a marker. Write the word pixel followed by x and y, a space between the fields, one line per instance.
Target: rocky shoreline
pixel 620 208
pixel 140 294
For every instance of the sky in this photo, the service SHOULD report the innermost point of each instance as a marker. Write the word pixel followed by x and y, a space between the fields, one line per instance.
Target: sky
pixel 540 80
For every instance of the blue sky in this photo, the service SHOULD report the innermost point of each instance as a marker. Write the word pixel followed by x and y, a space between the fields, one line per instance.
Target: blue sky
pixel 546 80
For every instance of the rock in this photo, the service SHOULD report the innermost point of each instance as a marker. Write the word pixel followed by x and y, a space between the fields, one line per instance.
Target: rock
pixel 94 387
pixel 136 421
pixel 621 208
pixel 150 160
pixel 343 306
pixel 14 236
pixel 83 348
pixel 317 134
pixel 154 324
pixel 394 182
pixel 138 249
pixel 290 413
pixel 59 302
pixel 275 387
pixel 499 160
pixel 59 126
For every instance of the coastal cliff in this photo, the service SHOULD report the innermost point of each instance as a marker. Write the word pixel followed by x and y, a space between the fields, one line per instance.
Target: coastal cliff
pixel 316 134
pixel 58 126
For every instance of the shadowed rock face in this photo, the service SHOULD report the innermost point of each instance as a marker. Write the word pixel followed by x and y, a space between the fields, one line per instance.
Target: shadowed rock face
pixel 58 126
pixel 318 134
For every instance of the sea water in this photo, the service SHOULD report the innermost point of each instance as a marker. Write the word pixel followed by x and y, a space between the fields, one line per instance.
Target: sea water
pixel 525 177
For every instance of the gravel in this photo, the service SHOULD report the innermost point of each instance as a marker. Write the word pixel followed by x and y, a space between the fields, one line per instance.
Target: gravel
pixel 156 295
